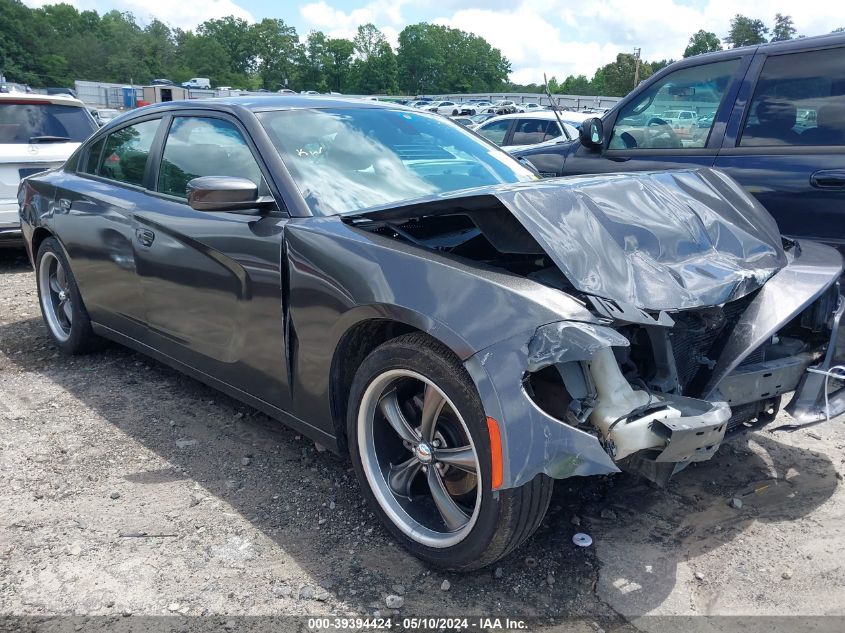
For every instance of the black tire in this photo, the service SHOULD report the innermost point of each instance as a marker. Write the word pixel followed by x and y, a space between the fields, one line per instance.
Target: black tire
pixel 505 518
pixel 454 113
pixel 80 338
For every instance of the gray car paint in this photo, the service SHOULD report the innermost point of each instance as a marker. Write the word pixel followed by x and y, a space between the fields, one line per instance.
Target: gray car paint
pixel 328 278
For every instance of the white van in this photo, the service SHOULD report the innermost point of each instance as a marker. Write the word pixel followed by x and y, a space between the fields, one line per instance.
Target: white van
pixel 199 83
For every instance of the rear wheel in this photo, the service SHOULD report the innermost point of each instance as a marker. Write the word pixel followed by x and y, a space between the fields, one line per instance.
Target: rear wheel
pixel 61 304
pixel 421 450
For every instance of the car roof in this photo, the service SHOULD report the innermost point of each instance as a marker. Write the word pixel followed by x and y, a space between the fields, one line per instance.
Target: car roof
pixel 31 97
pixel 542 115
pixel 801 43
pixel 270 102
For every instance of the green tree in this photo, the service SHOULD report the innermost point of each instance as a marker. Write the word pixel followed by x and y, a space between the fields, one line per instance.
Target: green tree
pixel 339 53
pixel 576 85
pixel 237 38
pixel 277 46
pixel 313 62
pixel 746 31
pixel 374 70
pixel 702 42
pixel 433 58
pixel 783 29
pixel 618 77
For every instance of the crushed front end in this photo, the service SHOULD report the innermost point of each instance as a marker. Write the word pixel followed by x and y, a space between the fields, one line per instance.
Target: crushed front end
pixel 662 389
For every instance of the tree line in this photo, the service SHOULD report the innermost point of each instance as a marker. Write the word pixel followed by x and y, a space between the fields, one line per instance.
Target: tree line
pixel 56 44
pixel 617 78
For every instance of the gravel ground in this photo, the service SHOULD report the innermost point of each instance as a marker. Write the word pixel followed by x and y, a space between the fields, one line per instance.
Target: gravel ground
pixel 131 490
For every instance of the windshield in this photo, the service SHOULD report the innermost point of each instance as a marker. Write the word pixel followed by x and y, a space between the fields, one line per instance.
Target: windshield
pixel 23 122
pixel 345 160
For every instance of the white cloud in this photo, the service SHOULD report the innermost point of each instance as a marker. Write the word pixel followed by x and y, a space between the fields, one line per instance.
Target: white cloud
pixel 385 14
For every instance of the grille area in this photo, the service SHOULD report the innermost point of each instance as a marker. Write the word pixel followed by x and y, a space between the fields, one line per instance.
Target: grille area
pixel 696 333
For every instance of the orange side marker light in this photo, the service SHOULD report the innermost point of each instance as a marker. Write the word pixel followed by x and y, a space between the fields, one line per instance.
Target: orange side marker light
pixel 495 452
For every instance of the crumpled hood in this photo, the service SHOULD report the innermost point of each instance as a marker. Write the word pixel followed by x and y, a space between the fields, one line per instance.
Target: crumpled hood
pixel 663 240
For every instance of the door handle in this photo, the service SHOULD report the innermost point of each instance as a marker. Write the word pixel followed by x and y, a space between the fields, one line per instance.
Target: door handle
pixel 64 205
pixel 145 237
pixel 828 179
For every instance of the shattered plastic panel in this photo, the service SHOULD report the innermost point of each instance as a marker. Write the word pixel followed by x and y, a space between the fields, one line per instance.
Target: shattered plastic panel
pixel 659 240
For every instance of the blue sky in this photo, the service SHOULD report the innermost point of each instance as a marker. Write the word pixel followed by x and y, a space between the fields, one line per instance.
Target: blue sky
pixel 559 37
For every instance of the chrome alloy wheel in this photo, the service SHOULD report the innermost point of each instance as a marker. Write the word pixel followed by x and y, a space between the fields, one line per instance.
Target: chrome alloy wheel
pixel 55 296
pixel 419 458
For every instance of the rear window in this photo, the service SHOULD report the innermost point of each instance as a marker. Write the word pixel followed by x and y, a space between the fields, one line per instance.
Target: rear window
pixel 24 122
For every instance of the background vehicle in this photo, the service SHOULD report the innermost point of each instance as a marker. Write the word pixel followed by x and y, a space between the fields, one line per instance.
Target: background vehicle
pixel 501 107
pixel 529 107
pixel 515 131
pixel 682 121
pixel 478 119
pixel 61 91
pixel 37 132
pixel 794 165
pixel 14 87
pixel 161 82
pixel 104 115
pixel 449 108
pixel 198 83
pixel 473 106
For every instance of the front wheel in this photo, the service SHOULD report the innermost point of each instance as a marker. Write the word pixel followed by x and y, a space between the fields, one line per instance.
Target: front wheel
pixel 420 447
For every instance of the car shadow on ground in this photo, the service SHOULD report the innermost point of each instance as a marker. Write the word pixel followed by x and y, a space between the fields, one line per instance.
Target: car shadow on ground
pixel 308 503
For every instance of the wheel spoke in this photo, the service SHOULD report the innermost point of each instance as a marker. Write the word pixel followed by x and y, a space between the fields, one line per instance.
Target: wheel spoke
pixel 68 310
pixel 390 409
pixel 433 402
pixel 462 457
pixel 54 284
pixel 402 476
pixel 61 277
pixel 452 515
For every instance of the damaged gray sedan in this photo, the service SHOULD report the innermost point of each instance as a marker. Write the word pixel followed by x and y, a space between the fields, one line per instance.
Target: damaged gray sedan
pixel 397 289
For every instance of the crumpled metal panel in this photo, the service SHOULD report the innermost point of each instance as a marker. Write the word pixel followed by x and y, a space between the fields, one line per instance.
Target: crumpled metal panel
pixel 533 442
pixel 567 341
pixel 669 240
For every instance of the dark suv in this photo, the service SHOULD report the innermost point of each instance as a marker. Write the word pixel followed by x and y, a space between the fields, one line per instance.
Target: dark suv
pixel 771 116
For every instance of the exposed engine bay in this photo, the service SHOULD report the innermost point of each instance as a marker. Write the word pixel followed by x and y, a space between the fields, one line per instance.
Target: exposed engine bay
pixel 658 385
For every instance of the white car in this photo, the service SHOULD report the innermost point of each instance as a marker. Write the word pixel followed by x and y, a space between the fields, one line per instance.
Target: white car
pixel 516 131
pixel 449 108
pixel 37 132
pixel 104 115
pixel 529 107
pixel 683 121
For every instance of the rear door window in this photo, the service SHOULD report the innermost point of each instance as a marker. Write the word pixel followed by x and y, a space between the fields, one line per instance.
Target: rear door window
pixel 203 146
pixel 28 121
pixel 124 157
pixel 799 101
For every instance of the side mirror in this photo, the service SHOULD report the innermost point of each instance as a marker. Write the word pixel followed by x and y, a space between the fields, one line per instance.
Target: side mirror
pixel 224 193
pixel 591 132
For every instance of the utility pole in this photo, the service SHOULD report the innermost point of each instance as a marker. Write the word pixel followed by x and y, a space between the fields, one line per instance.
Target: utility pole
pixel 637 52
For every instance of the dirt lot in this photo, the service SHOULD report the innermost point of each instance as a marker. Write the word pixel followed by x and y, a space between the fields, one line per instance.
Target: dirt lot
pixel 129 490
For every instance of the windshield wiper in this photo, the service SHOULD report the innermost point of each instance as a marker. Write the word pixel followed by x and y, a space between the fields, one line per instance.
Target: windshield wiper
pixel 49 139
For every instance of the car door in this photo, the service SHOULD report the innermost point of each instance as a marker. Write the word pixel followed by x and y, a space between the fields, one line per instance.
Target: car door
pixel 787 147
pixel 212 281
pixel 95 215
pixel 639 138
